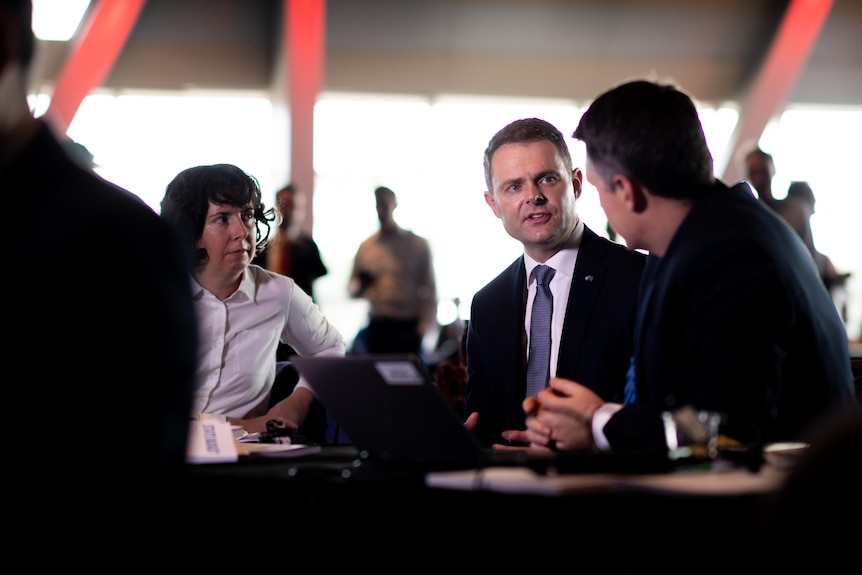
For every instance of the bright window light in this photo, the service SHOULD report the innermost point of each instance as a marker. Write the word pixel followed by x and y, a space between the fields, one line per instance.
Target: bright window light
pixel 57 19
pixel 430 153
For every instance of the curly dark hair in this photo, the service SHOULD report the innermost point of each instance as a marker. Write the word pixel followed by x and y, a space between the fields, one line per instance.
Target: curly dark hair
pixel 187 199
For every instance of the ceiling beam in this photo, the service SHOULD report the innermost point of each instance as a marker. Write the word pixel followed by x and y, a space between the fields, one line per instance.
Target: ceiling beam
pixel 94 50
pixel 305 29
pixel 775 80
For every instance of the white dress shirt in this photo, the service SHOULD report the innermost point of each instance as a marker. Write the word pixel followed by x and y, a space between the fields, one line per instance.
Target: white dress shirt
pixel 238 338
pixel 564 263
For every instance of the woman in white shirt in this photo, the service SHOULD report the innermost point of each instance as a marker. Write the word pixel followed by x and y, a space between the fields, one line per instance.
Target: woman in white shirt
pixel 243 311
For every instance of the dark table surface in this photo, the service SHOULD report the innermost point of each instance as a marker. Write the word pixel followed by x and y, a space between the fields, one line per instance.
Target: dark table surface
pixel 363 506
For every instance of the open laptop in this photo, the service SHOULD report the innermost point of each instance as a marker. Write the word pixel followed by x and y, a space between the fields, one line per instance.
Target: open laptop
pixel 389 406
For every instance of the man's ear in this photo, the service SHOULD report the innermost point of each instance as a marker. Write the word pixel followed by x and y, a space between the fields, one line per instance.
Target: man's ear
pixel 489 199
pixel 632 193
pixel 577 182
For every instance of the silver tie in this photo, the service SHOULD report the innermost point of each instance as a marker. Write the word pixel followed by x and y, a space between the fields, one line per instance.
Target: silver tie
pixel 539 362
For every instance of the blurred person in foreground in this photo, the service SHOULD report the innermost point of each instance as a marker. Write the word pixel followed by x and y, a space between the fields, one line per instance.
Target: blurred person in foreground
pixel 733 318
pixel 97 306
pixel 533 188
pixel 243 310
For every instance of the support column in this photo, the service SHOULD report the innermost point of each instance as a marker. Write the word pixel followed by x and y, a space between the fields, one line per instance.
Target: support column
pixel 304 25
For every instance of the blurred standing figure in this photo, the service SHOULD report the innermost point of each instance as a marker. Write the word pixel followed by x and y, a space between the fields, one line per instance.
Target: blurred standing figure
pixel 797 209
pixel 292 252
pixel 99 318
pixel 393 270
pixel 759 170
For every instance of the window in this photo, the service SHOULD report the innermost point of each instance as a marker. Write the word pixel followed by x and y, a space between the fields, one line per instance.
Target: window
pixel 430 154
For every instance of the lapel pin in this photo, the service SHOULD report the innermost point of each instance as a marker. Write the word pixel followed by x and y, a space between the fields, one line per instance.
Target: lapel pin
pixel 589 278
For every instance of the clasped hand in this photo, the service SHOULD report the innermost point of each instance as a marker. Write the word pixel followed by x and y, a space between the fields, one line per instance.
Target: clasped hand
pixel 561 416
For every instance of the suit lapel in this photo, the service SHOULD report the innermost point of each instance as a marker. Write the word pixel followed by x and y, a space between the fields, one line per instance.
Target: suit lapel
pixel 513 337
pixel 587 279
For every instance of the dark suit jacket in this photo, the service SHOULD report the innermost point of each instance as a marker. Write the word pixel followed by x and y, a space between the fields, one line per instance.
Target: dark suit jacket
pixel 738 322
pixel 594 349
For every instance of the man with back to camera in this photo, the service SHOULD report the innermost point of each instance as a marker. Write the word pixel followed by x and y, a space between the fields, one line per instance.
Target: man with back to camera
pixel 734 317
pixel 533 188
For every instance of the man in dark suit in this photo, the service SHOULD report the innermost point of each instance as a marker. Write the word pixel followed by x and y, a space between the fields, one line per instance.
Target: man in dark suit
pixel 733 319
pixel 533 189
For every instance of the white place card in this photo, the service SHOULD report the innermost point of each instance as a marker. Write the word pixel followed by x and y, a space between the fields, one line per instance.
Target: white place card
pixel 210 441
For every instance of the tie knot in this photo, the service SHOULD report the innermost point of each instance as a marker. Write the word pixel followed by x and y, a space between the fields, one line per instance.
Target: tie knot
pixel 543 274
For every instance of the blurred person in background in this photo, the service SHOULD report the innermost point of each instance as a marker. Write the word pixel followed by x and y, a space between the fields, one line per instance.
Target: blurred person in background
pixel 759 171
pixel 393 270
pixel 290 251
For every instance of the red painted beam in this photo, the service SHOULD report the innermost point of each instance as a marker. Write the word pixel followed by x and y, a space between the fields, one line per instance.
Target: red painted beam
pixel 773 84
pixel 92 54
pixel 304 25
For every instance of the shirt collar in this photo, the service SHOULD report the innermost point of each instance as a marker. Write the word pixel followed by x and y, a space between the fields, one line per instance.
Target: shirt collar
pixel 564 260
pixel 246 287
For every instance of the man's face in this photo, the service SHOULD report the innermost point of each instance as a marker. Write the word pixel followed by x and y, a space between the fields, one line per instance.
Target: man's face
pixel 228 238
pixel 385 205
pixel 534 195
pixel 759 172
pixel 286 203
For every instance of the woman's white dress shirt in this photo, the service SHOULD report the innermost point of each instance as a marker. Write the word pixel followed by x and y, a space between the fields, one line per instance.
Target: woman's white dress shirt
pixel 238 338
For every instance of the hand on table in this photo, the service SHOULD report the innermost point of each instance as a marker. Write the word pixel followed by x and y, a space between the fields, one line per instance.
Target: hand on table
pixel 561 415
pixel 258 424
pixel 510 435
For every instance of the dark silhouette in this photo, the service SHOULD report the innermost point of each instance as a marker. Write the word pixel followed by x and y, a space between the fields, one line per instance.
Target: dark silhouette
pixel 759 170
pixel 291 252
pixel 101 343
pixel 797 209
